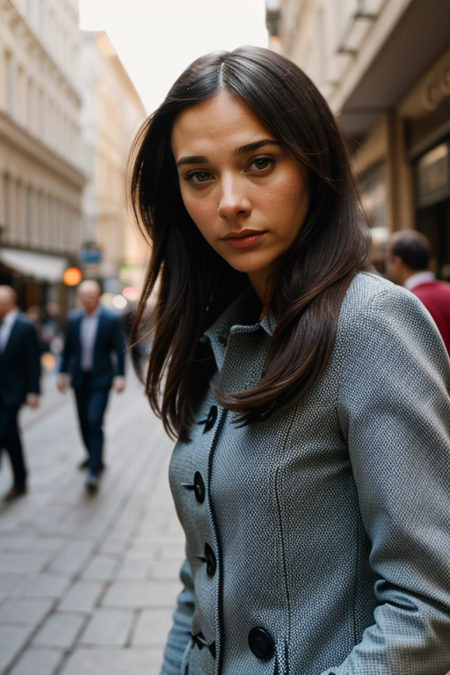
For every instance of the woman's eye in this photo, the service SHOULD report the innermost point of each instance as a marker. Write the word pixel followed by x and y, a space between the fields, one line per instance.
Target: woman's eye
pixel 261 163
pixel 198 177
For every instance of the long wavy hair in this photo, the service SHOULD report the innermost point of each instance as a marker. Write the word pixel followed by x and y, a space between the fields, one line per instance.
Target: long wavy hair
pixel 194 284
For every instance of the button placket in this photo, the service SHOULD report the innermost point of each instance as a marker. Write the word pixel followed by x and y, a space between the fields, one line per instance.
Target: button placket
pixel 200 640
pixel 210 559
pixel 210 420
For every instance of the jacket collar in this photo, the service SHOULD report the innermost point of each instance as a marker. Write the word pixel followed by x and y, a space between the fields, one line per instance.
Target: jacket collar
pixel 95 315
pixel 425 277
pixel 235 320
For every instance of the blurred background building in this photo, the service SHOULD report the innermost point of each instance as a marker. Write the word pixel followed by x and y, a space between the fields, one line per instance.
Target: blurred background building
pixel 41 179
pixel 384 67
pixel 113 250
pixel 68 115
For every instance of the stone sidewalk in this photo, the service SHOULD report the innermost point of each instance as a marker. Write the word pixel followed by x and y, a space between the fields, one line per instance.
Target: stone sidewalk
pixel 88 583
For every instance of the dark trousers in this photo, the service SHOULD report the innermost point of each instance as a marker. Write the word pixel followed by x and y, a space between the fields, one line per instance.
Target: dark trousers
pixel 91 406
pixel 10 441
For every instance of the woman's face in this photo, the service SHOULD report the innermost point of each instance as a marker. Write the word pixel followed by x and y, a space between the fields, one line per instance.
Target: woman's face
pixel 243 190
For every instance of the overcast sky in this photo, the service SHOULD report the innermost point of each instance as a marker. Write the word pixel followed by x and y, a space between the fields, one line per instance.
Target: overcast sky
pixel 157 39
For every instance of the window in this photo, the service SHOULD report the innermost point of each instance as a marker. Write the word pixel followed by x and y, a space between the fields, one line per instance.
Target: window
pixel 4 204
pixel 21 105
pixel 30 105
pixel 10 84
pixel 29 217
pixel 41 114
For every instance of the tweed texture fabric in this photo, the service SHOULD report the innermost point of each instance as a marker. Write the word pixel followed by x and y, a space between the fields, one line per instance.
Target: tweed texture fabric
pixel 318 542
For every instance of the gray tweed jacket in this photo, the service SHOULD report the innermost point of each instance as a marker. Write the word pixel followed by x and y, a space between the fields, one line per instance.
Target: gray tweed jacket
pixel 318 542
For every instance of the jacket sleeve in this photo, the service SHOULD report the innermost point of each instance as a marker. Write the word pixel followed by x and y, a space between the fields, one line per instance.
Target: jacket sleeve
pixel 179 637
pixel 395 415
pixel 33 361
pixel 119 347
pixel 69 349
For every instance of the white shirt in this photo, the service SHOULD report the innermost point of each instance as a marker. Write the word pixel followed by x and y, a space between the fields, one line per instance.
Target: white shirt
pixel 419 278
pixel 88 333
pixel 7 325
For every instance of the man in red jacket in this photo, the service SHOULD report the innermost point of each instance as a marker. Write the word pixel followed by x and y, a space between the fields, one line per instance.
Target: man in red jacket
pixel 407 264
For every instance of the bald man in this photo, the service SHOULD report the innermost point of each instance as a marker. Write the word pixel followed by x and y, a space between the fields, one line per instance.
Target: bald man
pixel 94 358
pixel 19 382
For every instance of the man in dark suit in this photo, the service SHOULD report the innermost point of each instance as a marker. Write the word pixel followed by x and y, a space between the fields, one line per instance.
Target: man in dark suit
pixel 94 356
pixel 408 264
pixel 19 382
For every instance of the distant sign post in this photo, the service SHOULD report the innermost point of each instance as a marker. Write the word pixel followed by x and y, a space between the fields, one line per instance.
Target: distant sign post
pixel 90 256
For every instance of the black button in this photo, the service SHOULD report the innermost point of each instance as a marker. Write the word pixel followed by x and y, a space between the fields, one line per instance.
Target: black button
pixel 198 486
pixel 210 559
pixel 211 419
pixel 211 563
pixel 200 641
pixel 261 643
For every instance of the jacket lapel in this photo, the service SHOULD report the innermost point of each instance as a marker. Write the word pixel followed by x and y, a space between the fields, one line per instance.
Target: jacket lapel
pixel 12 337
pixel 100 328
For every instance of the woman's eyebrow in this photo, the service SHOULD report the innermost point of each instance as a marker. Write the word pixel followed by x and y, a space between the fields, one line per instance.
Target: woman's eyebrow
pixel 194 159
pixel 250 147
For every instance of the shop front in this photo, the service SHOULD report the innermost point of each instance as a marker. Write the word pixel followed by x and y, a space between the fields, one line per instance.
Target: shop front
pixel 36 277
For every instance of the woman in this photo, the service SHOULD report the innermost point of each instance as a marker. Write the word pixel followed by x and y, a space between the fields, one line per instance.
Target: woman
pixel 309 397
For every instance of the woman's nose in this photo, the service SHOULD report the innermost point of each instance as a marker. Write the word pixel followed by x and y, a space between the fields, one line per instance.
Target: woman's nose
pixel 233 199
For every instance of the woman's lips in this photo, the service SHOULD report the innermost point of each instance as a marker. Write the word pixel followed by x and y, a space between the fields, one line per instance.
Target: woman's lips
pixel 244 240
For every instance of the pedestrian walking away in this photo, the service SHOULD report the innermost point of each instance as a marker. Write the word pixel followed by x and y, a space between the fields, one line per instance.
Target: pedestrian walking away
pixel 309 397
pixel 20 371
pixel 408 262
pixel 93 356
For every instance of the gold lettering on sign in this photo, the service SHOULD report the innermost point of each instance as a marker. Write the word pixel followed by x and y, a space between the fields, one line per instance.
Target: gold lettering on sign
pixel 437 88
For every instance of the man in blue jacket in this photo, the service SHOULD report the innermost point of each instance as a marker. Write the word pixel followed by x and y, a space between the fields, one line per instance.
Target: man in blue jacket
pixel 94 356
pixel 19 381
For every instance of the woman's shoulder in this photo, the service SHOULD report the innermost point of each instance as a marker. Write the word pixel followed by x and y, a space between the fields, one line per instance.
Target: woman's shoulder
pixel 369 293
pixel 365 287
pixel 380 316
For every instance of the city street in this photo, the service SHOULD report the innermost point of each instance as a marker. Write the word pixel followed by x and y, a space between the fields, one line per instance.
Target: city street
pixel 88 582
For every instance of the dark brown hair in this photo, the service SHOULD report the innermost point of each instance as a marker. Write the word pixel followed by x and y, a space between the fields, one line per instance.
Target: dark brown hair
pixel 412 247
pixel 196 285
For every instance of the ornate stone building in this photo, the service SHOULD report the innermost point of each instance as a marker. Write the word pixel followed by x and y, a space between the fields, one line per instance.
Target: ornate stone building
pixel 384 67
pixel 41 179
pixel 112 114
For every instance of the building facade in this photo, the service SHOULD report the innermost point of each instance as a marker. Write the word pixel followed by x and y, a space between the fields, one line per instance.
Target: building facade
pixel 113 250
pixel 384 68
pixel 41 176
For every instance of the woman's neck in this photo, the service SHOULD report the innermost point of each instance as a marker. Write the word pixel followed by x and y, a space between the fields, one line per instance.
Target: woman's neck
pixel 263 285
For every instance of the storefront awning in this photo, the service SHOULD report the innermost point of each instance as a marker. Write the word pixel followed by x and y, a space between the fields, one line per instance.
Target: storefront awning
pixel 417 40
pixel 38 265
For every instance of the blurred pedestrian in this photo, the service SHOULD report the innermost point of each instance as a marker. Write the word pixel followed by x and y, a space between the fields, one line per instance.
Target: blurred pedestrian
pixel 309 397
pixel 19 382
pixel 53 335
pixel 93 355
pixel 36 316
pixel 408 262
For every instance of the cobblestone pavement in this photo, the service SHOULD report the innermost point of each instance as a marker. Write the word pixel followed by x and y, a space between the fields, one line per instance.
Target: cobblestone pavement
pixel 88 583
